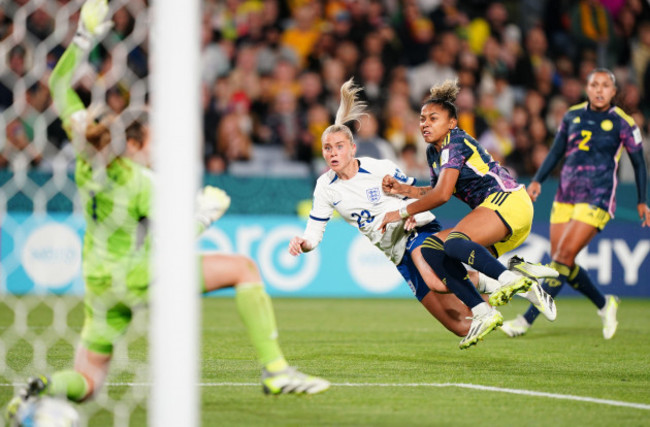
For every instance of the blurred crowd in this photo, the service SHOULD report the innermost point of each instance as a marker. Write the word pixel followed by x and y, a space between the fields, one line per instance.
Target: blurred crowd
pixel 272 70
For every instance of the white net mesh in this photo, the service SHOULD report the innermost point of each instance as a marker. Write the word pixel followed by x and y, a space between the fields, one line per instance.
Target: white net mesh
pixel 42 311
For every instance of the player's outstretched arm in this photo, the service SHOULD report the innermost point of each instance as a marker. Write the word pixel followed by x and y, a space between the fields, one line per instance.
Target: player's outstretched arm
pixel 91 27
pixel 392 186
pixel 437 196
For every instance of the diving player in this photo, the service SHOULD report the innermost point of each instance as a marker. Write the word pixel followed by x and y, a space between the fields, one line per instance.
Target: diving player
pixel 500 220
pixel 353 188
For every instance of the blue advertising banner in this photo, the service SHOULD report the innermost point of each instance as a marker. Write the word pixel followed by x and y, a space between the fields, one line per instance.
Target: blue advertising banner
pixel 42 253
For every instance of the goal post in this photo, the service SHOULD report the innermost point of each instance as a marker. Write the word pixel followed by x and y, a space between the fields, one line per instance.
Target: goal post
pixel 175 83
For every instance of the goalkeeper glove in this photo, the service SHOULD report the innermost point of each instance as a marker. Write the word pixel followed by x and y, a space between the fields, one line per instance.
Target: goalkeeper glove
pixel 212 203
pixel 92 25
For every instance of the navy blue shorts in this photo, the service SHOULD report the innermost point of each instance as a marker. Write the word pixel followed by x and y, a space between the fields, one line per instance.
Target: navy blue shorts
pixel 407 268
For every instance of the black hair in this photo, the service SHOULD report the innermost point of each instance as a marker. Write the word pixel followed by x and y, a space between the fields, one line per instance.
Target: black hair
pixel 445 95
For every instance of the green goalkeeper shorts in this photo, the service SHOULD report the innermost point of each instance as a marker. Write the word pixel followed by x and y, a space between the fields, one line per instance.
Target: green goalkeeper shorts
pixel 108 312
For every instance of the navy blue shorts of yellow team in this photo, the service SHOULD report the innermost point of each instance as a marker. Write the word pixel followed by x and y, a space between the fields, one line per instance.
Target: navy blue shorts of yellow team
pixel 516 211
pixel 407 268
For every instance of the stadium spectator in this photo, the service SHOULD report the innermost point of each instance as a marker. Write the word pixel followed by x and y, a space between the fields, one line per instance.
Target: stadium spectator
pixel 286 128
pixel 350 36
pixel 233 138
pixel 410 162
pixel 303 30
pixel 468 119
pixel 498 140
pixel 19 152
pixel 215 57
pixel 537 131
pixel 368 141
pixel 372 75
pixel 333 77
pixel 318 118
pixel 589 141
pixel 244 79
pixel 519 161
pixel 641 57
pixel 481 235
pixel 348 53
pixel 436 69
pixel 311 90
pixel 557 107
pixel 400 122
pixel 536 47
pixel 449 16
pixel 17 67
pixel 270 51
pixel 592 29
pixel 323 50
pixel 491 63
pixel 416 33
pixel 40 23
pixel 505 96
pixel 571 90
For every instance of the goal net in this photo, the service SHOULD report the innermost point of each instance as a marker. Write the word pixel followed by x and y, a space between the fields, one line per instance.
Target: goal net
pixel 41 216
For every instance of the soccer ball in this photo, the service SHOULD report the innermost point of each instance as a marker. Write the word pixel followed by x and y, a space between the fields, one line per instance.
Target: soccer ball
pixel 47 411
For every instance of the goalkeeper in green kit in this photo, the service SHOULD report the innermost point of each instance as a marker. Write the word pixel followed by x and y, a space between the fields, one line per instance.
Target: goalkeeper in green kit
pixel 116 195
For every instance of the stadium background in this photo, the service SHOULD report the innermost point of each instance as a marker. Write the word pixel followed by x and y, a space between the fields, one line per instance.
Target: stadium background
pixel 271 73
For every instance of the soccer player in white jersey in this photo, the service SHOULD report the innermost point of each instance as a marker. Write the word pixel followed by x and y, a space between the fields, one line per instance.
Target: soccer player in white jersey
pixel 353 187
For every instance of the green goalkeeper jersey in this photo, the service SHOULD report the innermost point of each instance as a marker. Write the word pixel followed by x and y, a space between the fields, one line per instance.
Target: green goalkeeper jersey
pixel 116 201
pixel 115 196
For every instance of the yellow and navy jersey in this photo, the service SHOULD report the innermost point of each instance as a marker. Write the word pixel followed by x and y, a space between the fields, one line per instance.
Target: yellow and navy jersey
pixel 479 174
pixel 591 143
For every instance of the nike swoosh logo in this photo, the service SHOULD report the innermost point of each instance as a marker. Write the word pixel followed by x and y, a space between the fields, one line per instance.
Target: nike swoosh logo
pixel 336 203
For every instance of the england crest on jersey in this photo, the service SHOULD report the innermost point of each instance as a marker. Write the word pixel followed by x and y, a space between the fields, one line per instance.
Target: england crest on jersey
pixel 373 194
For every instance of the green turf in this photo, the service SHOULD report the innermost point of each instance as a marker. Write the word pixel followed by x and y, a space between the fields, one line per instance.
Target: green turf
pixel 395 342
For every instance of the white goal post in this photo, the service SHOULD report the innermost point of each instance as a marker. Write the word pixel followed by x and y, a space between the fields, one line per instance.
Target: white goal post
pixel 175 120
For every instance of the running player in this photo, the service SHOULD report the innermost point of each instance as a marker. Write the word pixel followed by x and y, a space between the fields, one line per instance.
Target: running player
pixel 353 188
pixel 591 138
pixel 116 193
pixel 500 220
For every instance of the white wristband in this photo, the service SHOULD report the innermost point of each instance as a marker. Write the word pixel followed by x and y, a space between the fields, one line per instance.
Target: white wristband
pixel 403 213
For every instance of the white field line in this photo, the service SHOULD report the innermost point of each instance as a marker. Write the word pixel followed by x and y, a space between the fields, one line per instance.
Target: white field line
pixel 608 402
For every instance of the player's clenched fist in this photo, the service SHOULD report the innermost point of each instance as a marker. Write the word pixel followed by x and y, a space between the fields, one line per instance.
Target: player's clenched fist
pixel 390 185
pixel 298 245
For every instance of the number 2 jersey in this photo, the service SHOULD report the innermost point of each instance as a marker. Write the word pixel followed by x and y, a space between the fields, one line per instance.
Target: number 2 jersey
pixel 591 143
pixel 479 175
pixel 361 203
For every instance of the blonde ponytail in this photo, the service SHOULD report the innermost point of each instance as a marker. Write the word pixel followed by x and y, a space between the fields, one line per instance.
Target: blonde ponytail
pixel 350 109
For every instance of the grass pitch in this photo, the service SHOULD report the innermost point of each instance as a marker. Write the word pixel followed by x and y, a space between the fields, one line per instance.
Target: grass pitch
pixel 392 364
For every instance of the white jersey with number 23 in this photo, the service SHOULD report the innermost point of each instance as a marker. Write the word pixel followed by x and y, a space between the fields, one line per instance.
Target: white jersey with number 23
pixel 361 202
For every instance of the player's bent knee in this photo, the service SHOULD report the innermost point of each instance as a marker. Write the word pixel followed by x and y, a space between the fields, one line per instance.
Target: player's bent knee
pixel 565 255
